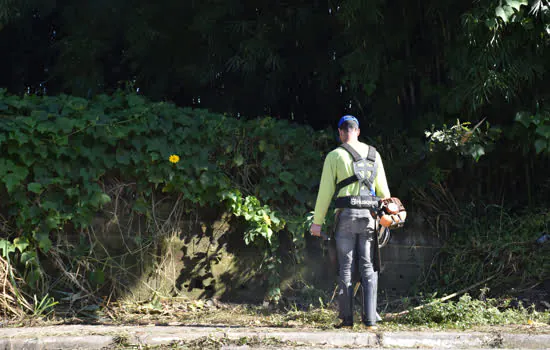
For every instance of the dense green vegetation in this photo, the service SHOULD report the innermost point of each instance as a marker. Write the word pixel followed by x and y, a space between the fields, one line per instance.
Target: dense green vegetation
pixel 453 94
pixel 60 154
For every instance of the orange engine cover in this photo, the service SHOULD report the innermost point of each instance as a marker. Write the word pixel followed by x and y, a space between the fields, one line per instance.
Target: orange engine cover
pixel 393 213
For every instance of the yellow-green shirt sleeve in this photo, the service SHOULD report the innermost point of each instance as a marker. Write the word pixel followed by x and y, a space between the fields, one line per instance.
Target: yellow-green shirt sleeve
pixel 380 183
pixel 326 189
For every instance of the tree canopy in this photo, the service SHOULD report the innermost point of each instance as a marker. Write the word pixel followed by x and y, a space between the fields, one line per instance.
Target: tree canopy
pixel 400 67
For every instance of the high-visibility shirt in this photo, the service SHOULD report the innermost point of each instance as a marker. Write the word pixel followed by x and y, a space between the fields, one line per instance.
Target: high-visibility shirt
pixel 338 166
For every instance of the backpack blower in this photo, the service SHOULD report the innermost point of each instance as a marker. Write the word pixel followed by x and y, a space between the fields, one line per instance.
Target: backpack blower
pixel 391 215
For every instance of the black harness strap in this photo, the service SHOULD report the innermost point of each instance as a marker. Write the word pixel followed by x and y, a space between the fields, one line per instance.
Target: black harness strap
pixel 371 157
pixel 344 183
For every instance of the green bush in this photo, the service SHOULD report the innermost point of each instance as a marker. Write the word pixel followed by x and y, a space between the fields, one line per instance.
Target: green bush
pixel 57 153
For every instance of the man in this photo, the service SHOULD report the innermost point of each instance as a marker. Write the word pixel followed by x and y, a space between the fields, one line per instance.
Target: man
pixel 358 185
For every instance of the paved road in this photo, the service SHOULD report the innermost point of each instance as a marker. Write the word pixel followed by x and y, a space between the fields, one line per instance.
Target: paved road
pixel 120 337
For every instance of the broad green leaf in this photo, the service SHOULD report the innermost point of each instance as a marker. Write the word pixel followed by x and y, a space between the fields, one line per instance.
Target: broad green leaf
pixel 544 131
pixel 138 143
pixel 5 166
pixel 34 187
pixel 32 276
pixel 35 115
pixel 19 137
pixel 135 100
pixel 99 199
pixel 228 195
pixel 77 104
pixel 123 156
pixel 542 146
pixel 53 108
pixel 62 141
pixel 156 178
pixel 499 12
pixel 64 124
pixel 262 145
pixel 29 258
pixel 137 157
pixel 516 4
pixel 477 152
pixel 44 242
pixel 238 160
pixel 6 247
pixel 45 126
pixel 168 188
pixel 205 180
pixel 72 192
pixel 26 155
pixel 509 11
pixel 524 118
pixel 52 221
pixel 275 220
pixel 286 177
pixel 11 181
pixel 21 243
pixel 154 156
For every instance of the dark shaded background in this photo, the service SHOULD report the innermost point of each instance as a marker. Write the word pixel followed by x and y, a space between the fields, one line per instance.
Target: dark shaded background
pixel 399 66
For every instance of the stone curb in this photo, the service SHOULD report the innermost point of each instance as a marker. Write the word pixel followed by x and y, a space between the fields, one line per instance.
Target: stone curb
pixel 101 337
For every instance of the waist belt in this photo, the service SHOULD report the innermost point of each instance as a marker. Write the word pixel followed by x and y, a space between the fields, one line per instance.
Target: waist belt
pixel 358 202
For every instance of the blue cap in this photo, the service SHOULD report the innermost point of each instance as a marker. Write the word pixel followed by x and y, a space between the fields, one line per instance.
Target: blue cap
pixel 347 118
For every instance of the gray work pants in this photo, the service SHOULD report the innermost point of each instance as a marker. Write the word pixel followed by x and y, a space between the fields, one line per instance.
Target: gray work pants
pixel 354 236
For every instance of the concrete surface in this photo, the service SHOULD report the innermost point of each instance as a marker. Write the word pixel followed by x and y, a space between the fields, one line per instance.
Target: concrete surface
pixel 117 337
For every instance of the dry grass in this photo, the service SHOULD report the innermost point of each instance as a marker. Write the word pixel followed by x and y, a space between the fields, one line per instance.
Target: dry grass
pixel 208 313
pixel 439 202
pixel 12 305
pixel 183 311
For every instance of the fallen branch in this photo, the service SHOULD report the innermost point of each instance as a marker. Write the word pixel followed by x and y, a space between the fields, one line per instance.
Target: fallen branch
pixel 445 298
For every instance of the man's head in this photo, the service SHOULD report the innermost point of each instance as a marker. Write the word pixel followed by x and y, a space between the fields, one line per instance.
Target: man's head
pixel 348 128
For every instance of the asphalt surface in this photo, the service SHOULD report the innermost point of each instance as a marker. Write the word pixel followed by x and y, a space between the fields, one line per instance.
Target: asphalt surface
pixel 224 337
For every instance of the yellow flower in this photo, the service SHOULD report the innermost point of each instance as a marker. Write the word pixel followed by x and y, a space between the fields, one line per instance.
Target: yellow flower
pixel 267 219
pixel 174 158
pixel 530 322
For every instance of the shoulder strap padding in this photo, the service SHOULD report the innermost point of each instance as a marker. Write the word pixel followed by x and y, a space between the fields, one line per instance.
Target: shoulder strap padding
pixel 371 157
pixel 356 156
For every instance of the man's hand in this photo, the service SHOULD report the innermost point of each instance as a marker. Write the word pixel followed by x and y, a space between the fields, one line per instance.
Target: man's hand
pixel 315 230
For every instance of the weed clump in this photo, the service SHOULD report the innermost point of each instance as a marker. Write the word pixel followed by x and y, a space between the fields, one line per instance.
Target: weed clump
pixel 468 312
